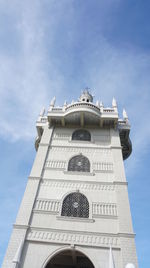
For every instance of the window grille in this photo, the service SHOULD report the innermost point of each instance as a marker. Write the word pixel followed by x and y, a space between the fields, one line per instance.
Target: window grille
pixel 79 163
pixel 75 205
pixel 82 135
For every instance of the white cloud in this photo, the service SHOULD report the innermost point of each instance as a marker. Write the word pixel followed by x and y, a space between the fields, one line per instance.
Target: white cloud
pixel 25 83
pixel 124 75
pixel 31 76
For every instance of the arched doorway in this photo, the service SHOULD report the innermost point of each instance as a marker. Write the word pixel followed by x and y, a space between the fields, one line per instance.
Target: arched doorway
pixel 69 259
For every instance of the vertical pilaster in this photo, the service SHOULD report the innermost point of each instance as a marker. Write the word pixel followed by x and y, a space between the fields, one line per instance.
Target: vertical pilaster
pixel 128 251
pixel 25 211
pixel 117 156
pixel 125 229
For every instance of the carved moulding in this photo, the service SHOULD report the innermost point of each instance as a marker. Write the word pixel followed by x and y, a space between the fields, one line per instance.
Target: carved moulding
pixel 78 238
pixel 75 149
pixel 73 185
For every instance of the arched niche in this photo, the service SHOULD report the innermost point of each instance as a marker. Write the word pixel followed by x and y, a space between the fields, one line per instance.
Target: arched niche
pixel 81 135
pixel 79 163
pixel 75 205
pixel 70 258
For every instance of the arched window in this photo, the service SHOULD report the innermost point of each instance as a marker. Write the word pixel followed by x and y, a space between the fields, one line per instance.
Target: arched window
pixel 79 163
pixel 81 135
pixel 75 205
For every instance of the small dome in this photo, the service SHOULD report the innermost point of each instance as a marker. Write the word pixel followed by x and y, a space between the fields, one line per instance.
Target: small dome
pixel 86 96
pixel 130 265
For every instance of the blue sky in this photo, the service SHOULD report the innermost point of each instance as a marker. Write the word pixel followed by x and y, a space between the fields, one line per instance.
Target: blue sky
pixel 58 47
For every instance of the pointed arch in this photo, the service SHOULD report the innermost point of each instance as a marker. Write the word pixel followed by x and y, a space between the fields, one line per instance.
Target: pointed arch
pixel 75 205
pixel 79 163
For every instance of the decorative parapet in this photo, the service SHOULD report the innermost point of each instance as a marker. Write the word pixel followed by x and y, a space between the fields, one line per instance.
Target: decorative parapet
pixel 78 105
pixel 102 167
pixel 61 136
pixel 84 113
pixel 56 164
pixel 54 206
pixel 104 209
pixel 100 139
pixel 47 205
pixel 81 113
pixel 96 166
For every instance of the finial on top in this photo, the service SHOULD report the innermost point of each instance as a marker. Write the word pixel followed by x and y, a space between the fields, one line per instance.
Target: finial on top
pixel 42 112
pixel 97 104
pixel 101 104
pixel 125 116
pixel 65 103
pixel 114 103
pixel 53 101
pixel 86 96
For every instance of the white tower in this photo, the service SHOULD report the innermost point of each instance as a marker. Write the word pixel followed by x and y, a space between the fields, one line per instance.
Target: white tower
pixel 75 211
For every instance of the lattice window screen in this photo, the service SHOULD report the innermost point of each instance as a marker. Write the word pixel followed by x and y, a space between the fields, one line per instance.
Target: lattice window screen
pixel 75 205
pixel 82 135
pixel 79 163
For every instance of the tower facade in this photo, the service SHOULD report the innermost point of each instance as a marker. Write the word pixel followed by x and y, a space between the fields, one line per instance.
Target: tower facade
pixel 75 209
